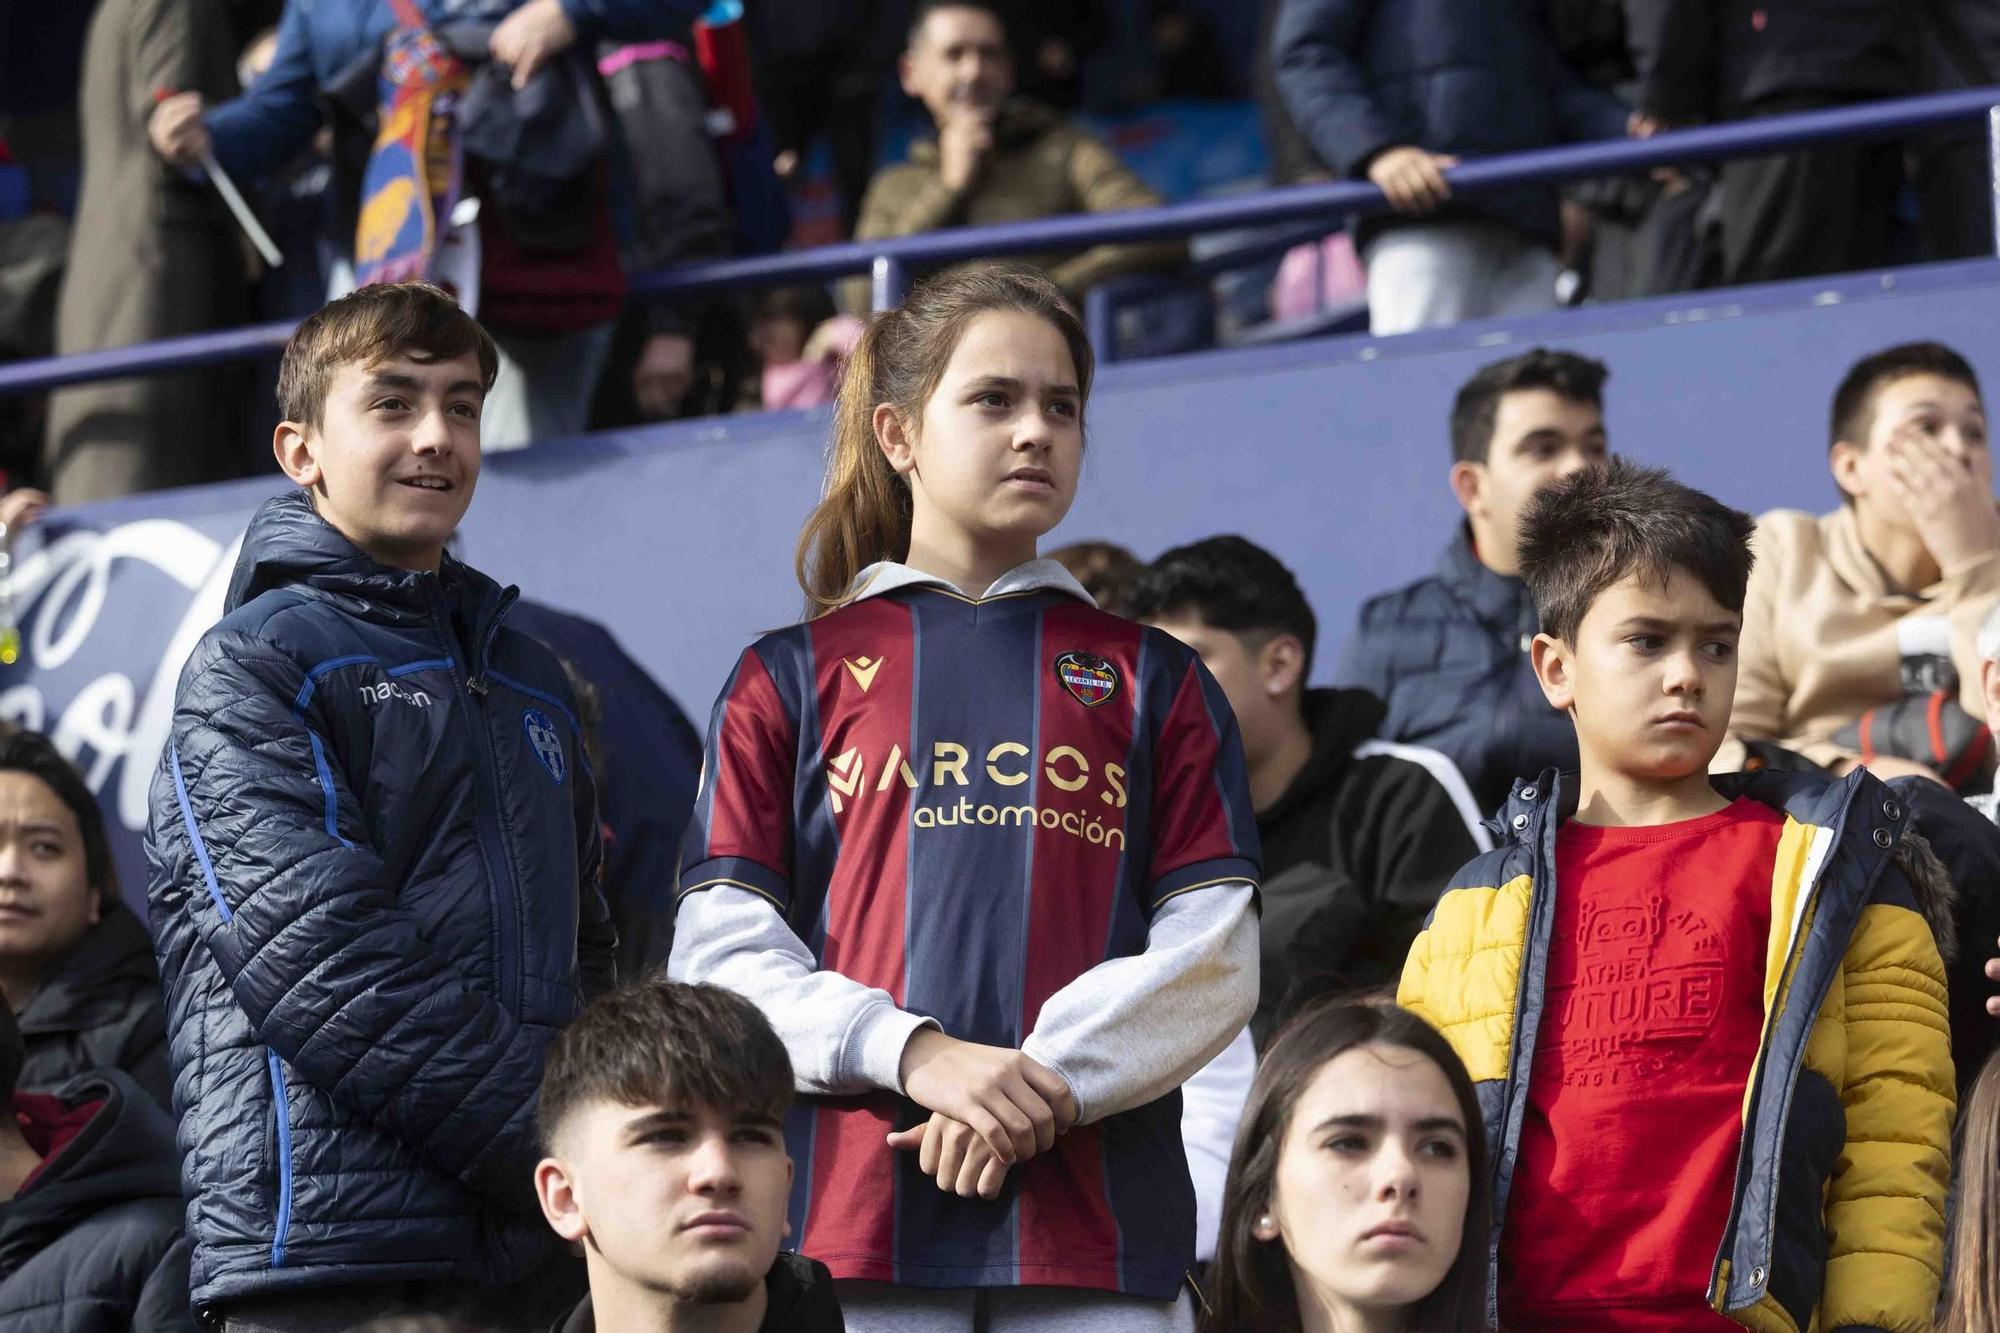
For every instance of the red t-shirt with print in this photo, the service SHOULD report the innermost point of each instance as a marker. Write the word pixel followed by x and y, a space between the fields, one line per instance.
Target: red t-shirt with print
pixel 1650 1026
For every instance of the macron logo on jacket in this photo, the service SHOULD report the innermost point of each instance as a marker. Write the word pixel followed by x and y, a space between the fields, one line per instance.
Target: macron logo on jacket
pixel 390 690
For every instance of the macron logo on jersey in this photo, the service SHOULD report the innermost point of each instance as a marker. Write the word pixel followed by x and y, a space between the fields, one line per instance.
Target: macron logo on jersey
pixel 863 670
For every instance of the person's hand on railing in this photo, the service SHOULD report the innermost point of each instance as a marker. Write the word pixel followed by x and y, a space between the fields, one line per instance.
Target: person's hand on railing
pixel 1643 126
pixel 177 131
pixel 530 37
pixel 19 508
pixel 1412 178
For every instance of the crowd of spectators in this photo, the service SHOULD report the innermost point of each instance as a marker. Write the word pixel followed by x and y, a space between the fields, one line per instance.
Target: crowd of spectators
pixel 533 155
pixel 1717 734
pixel 408 831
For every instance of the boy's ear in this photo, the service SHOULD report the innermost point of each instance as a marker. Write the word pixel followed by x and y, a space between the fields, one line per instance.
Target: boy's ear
pixel 1555 669
pixel 556 1192
pixel 294 454
pixel 1281 663
pixel 1989 690
pixel 1468 481
pixel 1845 463
pixel 898 446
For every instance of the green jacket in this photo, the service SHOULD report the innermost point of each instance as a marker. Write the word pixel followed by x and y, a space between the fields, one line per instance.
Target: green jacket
pixel 1042 166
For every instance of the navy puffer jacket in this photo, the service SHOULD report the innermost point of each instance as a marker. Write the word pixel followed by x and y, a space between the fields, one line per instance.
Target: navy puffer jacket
pixel 373 858
pixel 1467 77
pixel 1449 654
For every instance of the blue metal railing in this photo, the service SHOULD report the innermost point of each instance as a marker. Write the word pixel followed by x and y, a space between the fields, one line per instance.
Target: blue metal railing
pixel 890 261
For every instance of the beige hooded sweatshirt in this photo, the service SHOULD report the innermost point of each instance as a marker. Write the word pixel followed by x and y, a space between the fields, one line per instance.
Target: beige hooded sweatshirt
pixel 1825 638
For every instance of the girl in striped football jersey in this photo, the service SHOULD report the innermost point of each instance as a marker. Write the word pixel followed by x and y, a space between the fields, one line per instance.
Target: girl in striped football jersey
pixel 983 853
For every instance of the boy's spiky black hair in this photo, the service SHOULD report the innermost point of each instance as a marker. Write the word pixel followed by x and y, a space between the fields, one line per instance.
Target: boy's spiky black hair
pixel 1594 528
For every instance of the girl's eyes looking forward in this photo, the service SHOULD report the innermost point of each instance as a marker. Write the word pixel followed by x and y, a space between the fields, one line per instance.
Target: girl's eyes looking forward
pixel 1357 1145
pixel 999 401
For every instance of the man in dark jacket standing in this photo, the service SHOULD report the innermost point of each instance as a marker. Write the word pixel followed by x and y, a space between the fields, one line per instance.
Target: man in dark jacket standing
pixel 90 1210
pixel 1449 653
pixel 1396 91
pixel 1791 215
pixel 374 857
pixel 1360 836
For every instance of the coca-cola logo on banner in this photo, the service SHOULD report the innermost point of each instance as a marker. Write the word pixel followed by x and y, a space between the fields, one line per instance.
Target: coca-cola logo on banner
pixel 107 618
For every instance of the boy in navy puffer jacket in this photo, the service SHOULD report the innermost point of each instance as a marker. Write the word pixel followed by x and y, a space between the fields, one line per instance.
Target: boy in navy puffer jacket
pixel 374 859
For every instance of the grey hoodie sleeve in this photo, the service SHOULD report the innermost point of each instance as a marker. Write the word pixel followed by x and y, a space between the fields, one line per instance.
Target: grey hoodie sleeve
pixel 1133 1029
pixel 1123 1034
pixel 842 1036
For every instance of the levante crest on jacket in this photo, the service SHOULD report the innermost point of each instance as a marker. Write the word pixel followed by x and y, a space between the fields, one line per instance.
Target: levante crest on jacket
pixel 1089 678
pixel 546 742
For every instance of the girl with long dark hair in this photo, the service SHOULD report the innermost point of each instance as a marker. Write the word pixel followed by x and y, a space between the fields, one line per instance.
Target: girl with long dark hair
pixel 1358 1197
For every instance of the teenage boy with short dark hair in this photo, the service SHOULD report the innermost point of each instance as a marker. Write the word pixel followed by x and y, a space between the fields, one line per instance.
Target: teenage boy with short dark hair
pixel 1359 835
pixel 373 859
pixel 1859 625
pixel 662 1117
pixel 1449 653
pixel 1706 1015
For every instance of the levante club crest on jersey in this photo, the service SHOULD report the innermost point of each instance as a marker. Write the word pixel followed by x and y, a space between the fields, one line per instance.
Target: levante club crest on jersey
pixel 1089 678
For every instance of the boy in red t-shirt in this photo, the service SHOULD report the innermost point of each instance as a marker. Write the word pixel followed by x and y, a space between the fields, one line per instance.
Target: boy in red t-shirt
pixel 1706 1014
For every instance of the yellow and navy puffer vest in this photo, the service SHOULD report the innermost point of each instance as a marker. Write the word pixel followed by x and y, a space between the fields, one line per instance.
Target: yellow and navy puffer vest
pixel 1836 1221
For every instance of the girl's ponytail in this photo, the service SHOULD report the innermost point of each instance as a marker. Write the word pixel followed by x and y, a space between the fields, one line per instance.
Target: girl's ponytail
pixel 864 510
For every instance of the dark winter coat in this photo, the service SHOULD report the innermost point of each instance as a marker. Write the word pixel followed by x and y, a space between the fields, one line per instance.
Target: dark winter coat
pixel 1450 655
pixel 101 1008
pixel 800 1292
pixel 374 857
pixel 1719 58
pixel 1966 840
pixel 93 1243
pixel 1356 851
pixel 1472 78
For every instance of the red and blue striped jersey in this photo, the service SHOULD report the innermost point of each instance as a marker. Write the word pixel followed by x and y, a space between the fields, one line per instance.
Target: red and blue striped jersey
pixel 969 803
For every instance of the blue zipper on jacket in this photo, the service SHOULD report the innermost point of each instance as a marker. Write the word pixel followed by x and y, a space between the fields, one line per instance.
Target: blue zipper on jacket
pixel 478 685
pixel 469 695
pixel 281 1109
